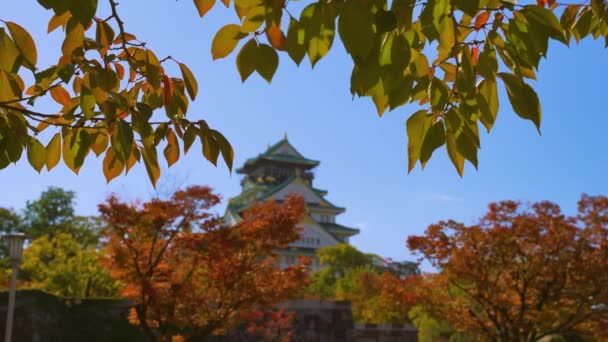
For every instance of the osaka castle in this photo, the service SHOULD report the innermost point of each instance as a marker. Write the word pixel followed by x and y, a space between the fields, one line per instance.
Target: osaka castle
pixel 279 171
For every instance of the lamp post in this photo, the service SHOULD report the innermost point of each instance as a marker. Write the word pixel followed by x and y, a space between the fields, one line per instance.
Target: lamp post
pixel 15 248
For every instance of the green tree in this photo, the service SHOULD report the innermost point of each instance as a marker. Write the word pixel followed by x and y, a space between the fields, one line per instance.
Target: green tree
pixel 336 262
pixel 62 266
pixel 53 213
pixel 449 56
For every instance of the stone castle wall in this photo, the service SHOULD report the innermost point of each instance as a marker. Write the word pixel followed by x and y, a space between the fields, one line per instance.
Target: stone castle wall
pixel 42 317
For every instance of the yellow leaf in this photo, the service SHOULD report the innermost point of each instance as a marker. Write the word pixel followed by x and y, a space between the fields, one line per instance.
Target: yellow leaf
pixel 112 166
pixel 36 154
pixel 58 20
pixel 225 40
pixel 25 44
pixel 171 151
pixel 53 152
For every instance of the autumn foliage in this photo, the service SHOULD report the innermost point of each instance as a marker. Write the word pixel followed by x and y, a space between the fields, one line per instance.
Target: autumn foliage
pixel 190 275
pixel 521 273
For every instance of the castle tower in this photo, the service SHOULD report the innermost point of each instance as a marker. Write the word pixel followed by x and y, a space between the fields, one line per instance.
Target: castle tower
pixel 274 174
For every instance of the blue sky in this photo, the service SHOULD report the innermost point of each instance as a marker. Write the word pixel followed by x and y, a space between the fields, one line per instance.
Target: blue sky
pixel 363 157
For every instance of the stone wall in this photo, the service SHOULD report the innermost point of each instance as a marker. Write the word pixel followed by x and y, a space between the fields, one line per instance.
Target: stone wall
pixel 42 317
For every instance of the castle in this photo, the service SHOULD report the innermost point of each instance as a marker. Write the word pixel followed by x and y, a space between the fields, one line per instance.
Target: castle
pixel 282 170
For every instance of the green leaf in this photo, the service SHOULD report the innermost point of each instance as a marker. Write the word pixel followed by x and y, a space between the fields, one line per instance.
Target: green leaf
pixel 455 156
pixel 53 152
pixel 152 69
pixel 203 6
pixel 9 53
pixel 87 103
pixel 36 154
pixel 151 163
pixel 211 148
pixel 253 19
pixel 100 143
pixel 225 149
pixel 319 23
pixel 385 21
pixel 487 65
pixel 355 28
pixel 434 138
pixel 523 98
pixel 225 40
pixel 83 10
pixel 247 59
pixel 112 166
pixel 542 16
pixel 416 126
pixel 25 44
pixel 267 61
pixel 488 102
pixel 191 83
pixel 404 11
pixel 438 94
pixel 470 7
pixel 296 47
pixel 122 139
pixel 189 136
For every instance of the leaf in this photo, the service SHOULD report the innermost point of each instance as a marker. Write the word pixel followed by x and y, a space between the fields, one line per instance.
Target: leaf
pixel 171 151
pixel 191 83
pixel 9 53
pixel 100 143
pixel 122 139
pixel 416 127
pixel 523 98
pixel 112 166
pixel 189 136
pixel 58 20
pixel 267 61
pixel 211 148
pixel 487 65
pixel 481 20
pixel 434 138
pixel 319 23
pixel 542 16
pixel 225 149
pixel 455 156
pixel 355 28
pixel 225 40
pixel 296 47
pixel 276 37
pixel 404 11
pixel 253 19
pixel 488 103
pixel 36 154
pixel 74 39
pixel 470 7
pixel 246 59
pixel 53 152
pixel 203 6
pixel 25 44
pixel 61 96
pixel 438 94
pixel 87 103
pixel 151 163
pixel 83 10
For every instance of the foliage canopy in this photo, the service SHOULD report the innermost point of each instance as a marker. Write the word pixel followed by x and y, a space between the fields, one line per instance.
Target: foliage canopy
pixel 449 56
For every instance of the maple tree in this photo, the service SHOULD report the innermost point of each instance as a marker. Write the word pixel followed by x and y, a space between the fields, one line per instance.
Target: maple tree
pixel 521 273
pixel 446 55
pixel 190 275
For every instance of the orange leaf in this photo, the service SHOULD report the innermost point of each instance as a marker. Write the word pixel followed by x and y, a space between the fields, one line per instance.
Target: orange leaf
pixel 167 90
pixel 474 54
pixel 203 6
pixel 276 37
pixel 61 96
pixel 481 20
pixel 542 3
pixel 120 70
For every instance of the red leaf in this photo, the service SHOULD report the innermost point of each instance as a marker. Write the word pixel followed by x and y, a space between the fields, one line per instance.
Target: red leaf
pixel 167 90
pixel 481 20
pixel 276 37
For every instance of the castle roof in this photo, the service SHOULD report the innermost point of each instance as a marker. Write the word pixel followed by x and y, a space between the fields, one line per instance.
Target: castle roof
pixel 283 153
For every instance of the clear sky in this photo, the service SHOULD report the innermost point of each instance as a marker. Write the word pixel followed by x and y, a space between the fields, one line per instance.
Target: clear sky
pixel 363 157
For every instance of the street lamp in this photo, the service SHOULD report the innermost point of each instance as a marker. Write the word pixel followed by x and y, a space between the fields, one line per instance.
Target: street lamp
pixel 15 248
